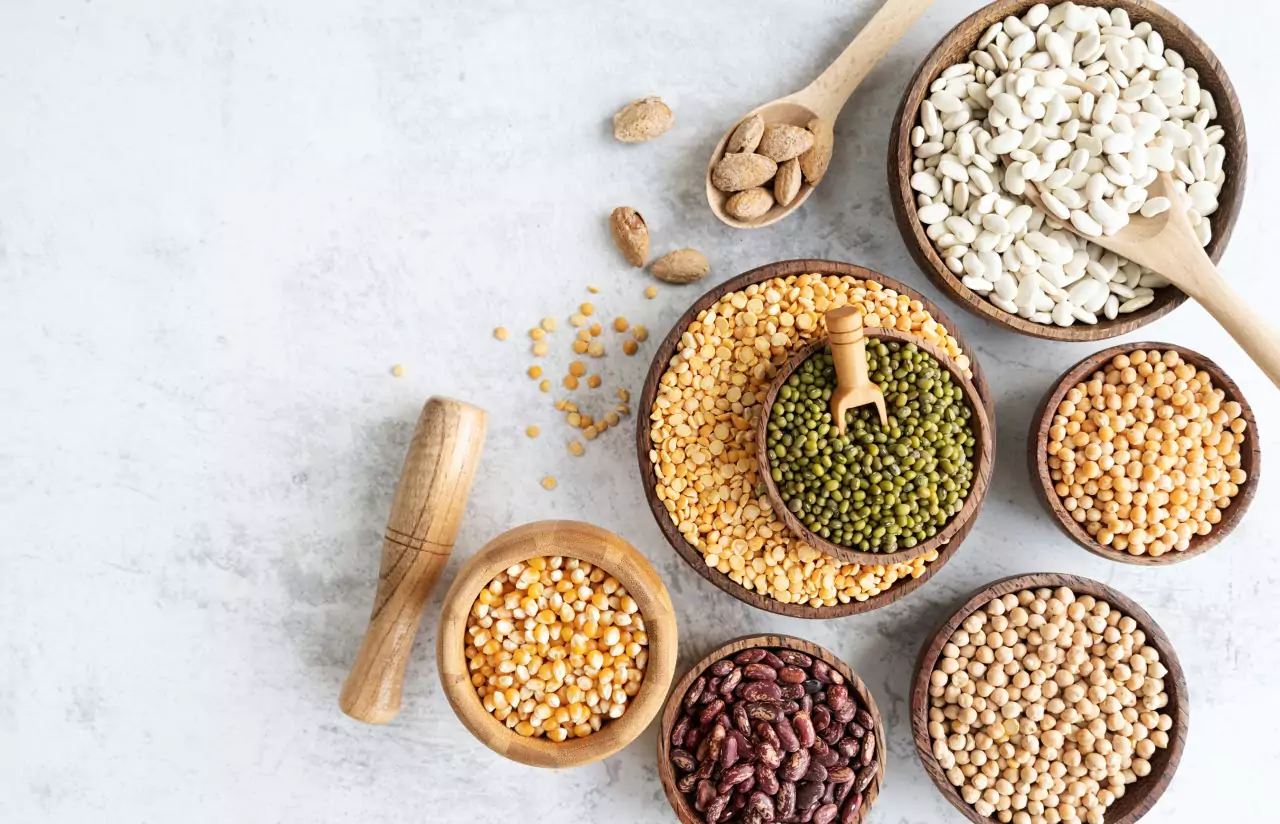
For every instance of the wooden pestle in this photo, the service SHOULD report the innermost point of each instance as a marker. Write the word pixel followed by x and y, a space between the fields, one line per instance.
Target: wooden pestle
pixel 438 472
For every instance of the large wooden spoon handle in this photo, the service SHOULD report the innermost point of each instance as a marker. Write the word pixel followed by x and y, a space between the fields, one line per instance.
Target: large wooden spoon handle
pixel 848 346
pixel 1258 338
pixel 827 94
pixel 430 498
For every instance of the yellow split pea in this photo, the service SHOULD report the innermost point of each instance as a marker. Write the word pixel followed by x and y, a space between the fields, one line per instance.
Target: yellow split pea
pixel 704 439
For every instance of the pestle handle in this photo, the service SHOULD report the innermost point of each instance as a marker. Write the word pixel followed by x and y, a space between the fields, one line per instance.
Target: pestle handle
pixel 438 472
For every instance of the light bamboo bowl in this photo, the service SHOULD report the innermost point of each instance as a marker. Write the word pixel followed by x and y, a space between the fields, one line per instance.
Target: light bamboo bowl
pixel 599 547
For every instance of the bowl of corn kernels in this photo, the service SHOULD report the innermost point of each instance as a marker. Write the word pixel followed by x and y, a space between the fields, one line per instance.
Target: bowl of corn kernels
pixel 1145 453
pixel 557 644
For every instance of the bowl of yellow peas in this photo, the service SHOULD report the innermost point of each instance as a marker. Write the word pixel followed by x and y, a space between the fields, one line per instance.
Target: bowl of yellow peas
pixel 557 644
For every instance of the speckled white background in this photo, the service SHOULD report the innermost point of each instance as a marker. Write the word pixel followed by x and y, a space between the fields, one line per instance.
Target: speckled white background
pixel 222 222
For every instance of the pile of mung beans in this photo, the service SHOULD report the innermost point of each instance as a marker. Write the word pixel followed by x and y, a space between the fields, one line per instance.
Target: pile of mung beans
pixel 1045 705
pixel 1146 453
pixel 555 647
pixel 702 429
pixel 876 488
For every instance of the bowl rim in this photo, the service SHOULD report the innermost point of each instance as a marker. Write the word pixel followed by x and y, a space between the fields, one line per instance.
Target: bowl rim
pixel 768 641
pixel 984 463
pixel 658 367
pixel 1037 460
pixel 1175 685
pixel 599 547
pixel 922 249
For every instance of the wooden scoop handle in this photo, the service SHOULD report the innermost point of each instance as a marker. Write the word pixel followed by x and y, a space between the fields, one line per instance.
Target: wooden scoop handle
pixel 434 484
pixel 848 346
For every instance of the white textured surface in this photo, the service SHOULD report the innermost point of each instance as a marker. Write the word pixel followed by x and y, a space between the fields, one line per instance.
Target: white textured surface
pixel 222 223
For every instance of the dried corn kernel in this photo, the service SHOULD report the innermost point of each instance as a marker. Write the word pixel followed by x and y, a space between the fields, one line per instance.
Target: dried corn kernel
pixel 639 332
pixel 624 395
pixel 535 372
pixel 540 348
pixel 620 324
pixel 587 309
pixel 579 347
pixel 596 330
pixel 576 448
pixel 549 324
pixel 590 433
pixel 578 319
pixel 500 332
pixel 630 347
pixel 595 349
pixel 545 385
pixel 570 382
pixel 577 369
pixel 532 431
pixel 594 381
pixel 537 333
pixel 651 292
pixel 549 482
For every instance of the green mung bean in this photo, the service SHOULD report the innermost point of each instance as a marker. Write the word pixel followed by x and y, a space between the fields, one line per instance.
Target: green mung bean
pixel 875 489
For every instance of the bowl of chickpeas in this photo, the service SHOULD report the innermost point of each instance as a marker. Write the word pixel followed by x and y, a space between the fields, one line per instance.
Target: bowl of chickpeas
pixel 1048 699
pixel 1145 453
pixel 557 644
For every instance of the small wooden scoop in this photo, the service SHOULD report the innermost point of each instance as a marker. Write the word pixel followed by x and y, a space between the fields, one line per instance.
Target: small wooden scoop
pixel 437 476
pixel 849 351
pixel 821 100
pixel 1167 244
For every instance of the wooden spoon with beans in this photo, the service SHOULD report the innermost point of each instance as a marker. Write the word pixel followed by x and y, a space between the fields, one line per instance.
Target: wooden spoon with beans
pixel 1167 244
pixel 820 101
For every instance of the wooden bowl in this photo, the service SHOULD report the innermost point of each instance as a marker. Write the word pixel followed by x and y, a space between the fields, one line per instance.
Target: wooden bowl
pixel 1139 797
pixel 955 48
pixel 685 811
pixel 644 443
pixel 600 548
pixel 1037 460
pixel 984 433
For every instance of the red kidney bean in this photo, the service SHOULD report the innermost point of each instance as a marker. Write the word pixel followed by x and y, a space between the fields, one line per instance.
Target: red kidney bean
pixel 688 782
pixel 766 778
pixel 806 703
pixel 823 754
pixel 852 805
pixel 734 775
pixel 792 675
pixel 693 739
pixel 808 795
pixel 710 711
pixel 749 656
pixel 729 752
pixel 812 687
pixel 849 748
pixel 795 658
pixel 760 691
pixel 868 750
pixel 764 711
pixel 842 792
pixel 841 775
pixel 821 718
pixel 832 734
pixel 706 794
pixel 789 707
pixel 681 729
pixel 730 682
pixel 761 804
pixel 825 814
pixel 740 718
pixel 843 713
pixel 773 660
pixel 804 729
pixel 864 719
pixel 765 734
pixel 829 794
pixel 766 753
pixel 695 692
pixel 792 692
pixel 785 801
pixel 837 694
pixel 721 668
pixel 822 671
pixel 865 776
pixel 683 760
pixel 795 765
pixel 747 786
pixel 855 729
pixel 760 672
pixel 716 808
pixel 786 734
pixel 816 772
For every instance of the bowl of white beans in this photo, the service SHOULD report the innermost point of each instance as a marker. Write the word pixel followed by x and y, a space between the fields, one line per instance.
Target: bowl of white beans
pixel 1089 101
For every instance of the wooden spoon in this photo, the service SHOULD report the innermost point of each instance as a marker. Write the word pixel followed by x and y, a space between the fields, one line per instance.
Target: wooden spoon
pixel 849 351
pixel 1167 244
pixel 822 99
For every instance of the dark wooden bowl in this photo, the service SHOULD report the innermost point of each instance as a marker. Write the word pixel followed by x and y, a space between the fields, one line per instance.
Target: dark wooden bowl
pixel 984 457
pixel 1140 796
pixel 955 48
pixel 1038 461
pixel 684 811
pixel 662 360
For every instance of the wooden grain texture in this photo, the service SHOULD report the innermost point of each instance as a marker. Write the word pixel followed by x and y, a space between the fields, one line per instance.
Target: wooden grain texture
pixel 1037 460
pixel 823 99
pixel 1139 797
pixel 955 48
pixel 431 497
pixel 983 458
pixel 666 772
pixel 644 443
pixel 849 354
pixel 572 539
